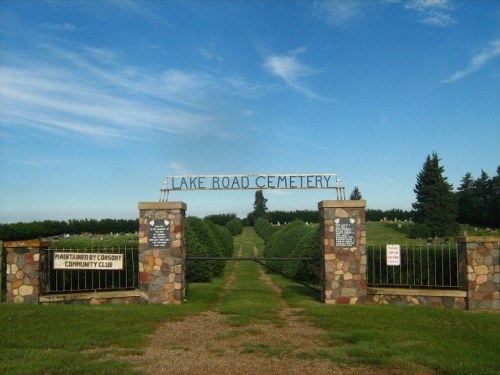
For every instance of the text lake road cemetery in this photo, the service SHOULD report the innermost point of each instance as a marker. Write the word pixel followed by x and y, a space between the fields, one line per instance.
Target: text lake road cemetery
pixel 252 181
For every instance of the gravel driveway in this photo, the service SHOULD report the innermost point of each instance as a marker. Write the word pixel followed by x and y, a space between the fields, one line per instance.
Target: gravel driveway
pixel 207 344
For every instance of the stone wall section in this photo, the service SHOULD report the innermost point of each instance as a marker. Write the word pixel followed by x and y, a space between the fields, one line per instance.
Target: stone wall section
pixel 162 270
pixel 482 276
pixel 23 270
pixel 418 297
pixel 344 268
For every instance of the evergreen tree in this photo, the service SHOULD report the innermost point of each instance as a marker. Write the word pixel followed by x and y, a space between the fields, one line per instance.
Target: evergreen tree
pixel 467 201
pixel 494 203
pixel 259 208
pixel 435 206
pixel 356 194
pixel 483 193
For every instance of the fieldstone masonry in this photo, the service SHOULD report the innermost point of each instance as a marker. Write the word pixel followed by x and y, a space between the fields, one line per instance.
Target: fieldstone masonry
pixel 23 270
pixel 344 254
pixel 482 276
pixel 162 268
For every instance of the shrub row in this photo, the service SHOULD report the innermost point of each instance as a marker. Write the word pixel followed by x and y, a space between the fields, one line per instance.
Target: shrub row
pixel 291 241
pixel 206 239
pixel 235 226
pixel 265 229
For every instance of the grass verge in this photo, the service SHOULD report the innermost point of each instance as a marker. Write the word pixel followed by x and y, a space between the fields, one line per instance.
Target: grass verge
pixel 415 339
pixel 85 339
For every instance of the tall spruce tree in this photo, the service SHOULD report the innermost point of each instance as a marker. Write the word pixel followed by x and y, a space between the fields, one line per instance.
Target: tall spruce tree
pixel 494 205
pixel 259 208
pixel 356 194
pixel 468 202
pixel 436 205
pixel 259 205
pixel 483 192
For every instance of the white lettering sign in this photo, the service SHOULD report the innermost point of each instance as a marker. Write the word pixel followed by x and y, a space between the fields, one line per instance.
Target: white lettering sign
pixel 87 261
pixel 393 254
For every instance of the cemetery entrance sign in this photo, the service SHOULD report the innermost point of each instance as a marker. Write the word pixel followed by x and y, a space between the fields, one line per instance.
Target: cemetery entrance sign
pixel 252 182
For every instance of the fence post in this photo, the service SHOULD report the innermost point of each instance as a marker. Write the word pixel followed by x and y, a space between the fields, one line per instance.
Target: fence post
pixel 343 247
pixel 482 270
pixel 162 252
pixel 23 270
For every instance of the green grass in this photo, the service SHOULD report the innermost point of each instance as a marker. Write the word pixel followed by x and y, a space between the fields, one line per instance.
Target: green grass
pixel 378 232
pixel 410 338
pixel 86 339
pixel 250 300
pixel 383 233
pixel 96 242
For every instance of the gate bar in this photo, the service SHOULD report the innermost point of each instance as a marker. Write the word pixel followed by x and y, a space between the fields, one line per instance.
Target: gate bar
pixel 249 258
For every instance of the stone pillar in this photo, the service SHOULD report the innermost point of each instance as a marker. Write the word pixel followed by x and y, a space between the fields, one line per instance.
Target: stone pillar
pixel 162 252
pixel 343 247
pixel 482 273
pixel 23 270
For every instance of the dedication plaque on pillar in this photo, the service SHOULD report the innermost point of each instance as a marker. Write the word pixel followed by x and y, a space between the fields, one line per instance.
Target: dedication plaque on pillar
pixel 159 234
pixel 345 232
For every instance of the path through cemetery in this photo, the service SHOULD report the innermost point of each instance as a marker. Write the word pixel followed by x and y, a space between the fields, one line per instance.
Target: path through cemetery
pixel 218 342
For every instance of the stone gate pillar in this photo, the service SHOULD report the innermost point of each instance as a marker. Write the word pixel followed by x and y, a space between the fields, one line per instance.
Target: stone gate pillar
pixel 343 247
pixel 162 252
pixel 480 269
pixel 24 259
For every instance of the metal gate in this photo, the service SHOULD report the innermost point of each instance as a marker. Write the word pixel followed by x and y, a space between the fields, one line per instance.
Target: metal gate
pixel 84 280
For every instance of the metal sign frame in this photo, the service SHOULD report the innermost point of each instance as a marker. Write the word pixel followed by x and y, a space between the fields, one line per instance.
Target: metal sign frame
pixel 253 182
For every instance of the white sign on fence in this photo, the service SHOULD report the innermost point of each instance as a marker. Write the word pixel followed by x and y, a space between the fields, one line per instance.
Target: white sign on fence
pixel 393 255
pixel 87 261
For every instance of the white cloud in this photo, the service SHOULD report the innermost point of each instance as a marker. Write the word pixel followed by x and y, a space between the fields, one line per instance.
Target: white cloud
pixel 88 91
pixel 338 13
pixel 427 4
pixel 477 62
pixel 438 19
pixel 292 71
pixel 59 26
pixel 178 168
pixel 432 12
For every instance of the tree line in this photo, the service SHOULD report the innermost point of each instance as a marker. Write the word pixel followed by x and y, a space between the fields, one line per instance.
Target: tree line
pixel 51 228
pixel 440 209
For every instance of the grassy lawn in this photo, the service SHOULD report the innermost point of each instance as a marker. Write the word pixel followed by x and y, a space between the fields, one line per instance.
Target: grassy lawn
pixel 88 339
pixel 383 233
pixel 377 232
pixel 415 339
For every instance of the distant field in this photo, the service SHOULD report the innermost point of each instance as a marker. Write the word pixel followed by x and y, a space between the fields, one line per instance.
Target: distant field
pixel 378 232
pixel 96 241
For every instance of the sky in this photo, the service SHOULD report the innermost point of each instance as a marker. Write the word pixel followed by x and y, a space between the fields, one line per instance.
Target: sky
pixel 101 100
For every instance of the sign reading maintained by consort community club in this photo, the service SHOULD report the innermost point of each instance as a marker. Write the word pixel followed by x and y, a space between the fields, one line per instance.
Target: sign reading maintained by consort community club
pixel 87 261
pixel 252 181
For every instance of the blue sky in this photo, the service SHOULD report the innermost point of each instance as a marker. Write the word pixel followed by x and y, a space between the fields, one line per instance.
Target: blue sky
pixel 100 100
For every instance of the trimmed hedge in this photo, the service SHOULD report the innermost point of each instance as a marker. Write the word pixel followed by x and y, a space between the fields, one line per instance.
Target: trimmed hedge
pixel 204 238
pixel 235 226
pixel 293 240
pixel 265 229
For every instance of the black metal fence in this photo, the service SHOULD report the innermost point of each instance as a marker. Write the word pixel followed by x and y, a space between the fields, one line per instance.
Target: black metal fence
pixel 83 280
pixel 420 266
